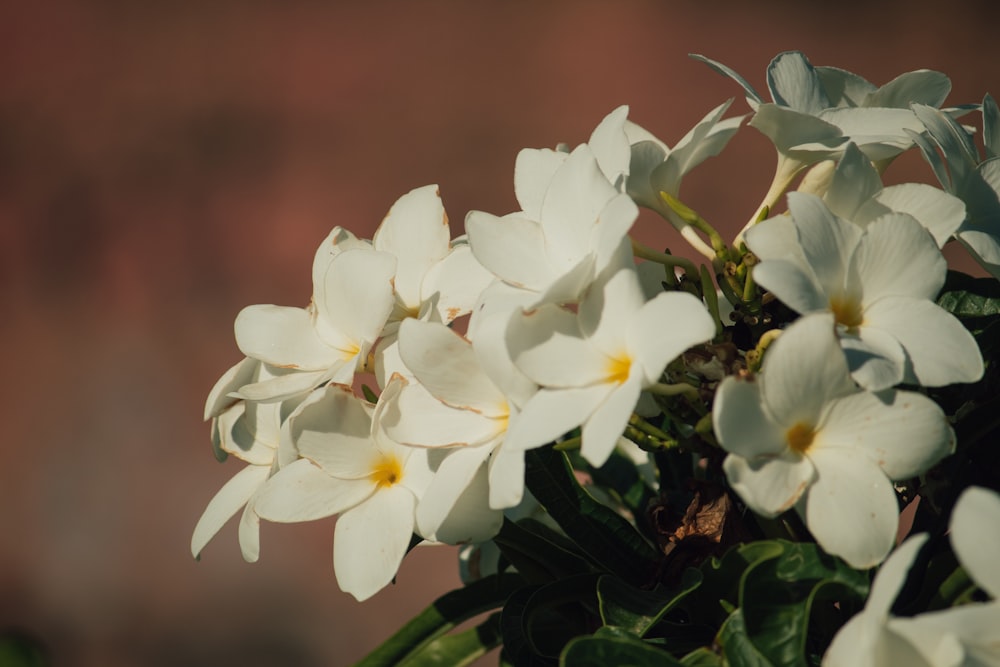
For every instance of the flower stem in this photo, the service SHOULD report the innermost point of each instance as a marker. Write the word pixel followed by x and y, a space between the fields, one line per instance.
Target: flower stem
pixel 645 252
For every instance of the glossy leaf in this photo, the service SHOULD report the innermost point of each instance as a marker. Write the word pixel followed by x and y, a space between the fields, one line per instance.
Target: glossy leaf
pixel 539 553
pixel 638 610
pixel 605 536
pixel 459 649
pixel 444 614
pixel 739 651
pixel 965 296
pixel 602 651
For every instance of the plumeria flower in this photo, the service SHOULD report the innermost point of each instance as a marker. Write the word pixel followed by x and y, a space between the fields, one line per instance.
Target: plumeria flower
pixel 854 192
pixel 435 278
pixel 349 468
pixel 329 340
pixel 801 435
pixel 572 220
pixel 878 282
pixel 254 433
pixel 656 167
pixel 973 180
pixel 454 404
pixel 593 365
pixel 816 111
pixel 964 635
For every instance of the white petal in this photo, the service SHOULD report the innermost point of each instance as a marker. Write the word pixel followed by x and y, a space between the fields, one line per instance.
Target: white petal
pixel 603 428
pixel 334 432
pixel 370 541
pixel 506 477
pixel 976 546
pixel 795 285
pixel 302 492
pixel 902 432
pixel 665 327
pixel 798 135
pixel 892 575
pixel 249 533
pixel 234 378
pixel 284 337
pixel 920 86
pixel 794 83
pixel 233 495
pixel 291 384
pixel 939 212
pixel 533 171
pixel 741 424
pixel 446 365
pixel 609 304
pixel 851 507
pixel 941 350
pixel 855 181
pixel 803 370
pixel 610 145
pixel 551 413
pixel 897 257
pixel 827 241
pixel 355 298
pixel 458 280
pixel 547 346
pixel 418 419
pixel 769 485
pixel 511 247
pixel 416 231
pixel 451 480
pixel 338 240
pixel 471 519
pixel 774 238
pixel 876 359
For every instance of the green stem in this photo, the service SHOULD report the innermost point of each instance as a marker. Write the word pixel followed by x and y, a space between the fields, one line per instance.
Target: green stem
pixel 672 389
pixel 645 252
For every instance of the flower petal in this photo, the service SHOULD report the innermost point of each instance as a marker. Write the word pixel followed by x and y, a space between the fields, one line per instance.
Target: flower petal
pixel 418 419
pixel 284 337
pixel 334 431
pixel 939 212
pixel 547 345
pixel 451 480
pixel 664 327
pixel 606 424
pixel 233 495
pixel 416 231
pixel 896 256
pixel 551 413
pixel 940 349
pixel 506 477
pixel 355 298
pixel 876 359
pixel 511 247
pixel 369 541
pixel 458 280
pixel 769 485
pixel 976 546
pixel 741 424
pixel 903 432
pixel 533 171
pixel 851 507
pixel 827 241
pixel 302 492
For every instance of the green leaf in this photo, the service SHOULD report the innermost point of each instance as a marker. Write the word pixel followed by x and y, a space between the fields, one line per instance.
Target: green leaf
pixel 443 615
pixel 966 297
pixel 605 650
pixel 460 649
pixel 638 610
pixel 539 621
pixel 718 594
pixel 539 553
pixel 777 596
pixel 607 538
pixel 702 657
pixel 736 645
pixel 18 649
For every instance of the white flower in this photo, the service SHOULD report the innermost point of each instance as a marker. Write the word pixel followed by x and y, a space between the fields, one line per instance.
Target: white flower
pixel 351 470
pixel 964 635
pixel 593 365
pixel 802 436
pixel 252 432
pixel 572 220
pixel 855 193
pixel 454 404
pixel 328 341
pixel 974 181
pixel 878 282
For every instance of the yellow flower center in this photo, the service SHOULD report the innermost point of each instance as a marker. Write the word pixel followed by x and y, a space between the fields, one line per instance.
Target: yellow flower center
pixel 387 471
pixel 617 369
pixel 847 311
pixel 800 437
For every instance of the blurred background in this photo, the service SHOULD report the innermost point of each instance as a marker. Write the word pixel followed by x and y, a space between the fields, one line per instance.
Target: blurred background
pixel 163 164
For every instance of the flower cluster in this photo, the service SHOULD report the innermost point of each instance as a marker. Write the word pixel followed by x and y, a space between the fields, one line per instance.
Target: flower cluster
pixel 815 371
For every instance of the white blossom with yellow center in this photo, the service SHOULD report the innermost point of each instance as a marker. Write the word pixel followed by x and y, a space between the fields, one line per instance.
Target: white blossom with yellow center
pixel 802 436
pixel 349 468
pixel 878 281
pixel 592 365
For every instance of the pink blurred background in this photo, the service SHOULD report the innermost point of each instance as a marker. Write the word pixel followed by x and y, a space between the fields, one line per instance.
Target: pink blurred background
pixel 163 164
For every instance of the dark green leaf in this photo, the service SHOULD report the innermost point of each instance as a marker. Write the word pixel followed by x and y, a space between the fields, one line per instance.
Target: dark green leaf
pixel 603 535
pixel 605 651
pixel 638 610
pixel 736 645
pixel 539 553
pixel 19 649
pixel 443 615
pixel 459 649
pixel 702 657
pixel 777 597
pixel 965 296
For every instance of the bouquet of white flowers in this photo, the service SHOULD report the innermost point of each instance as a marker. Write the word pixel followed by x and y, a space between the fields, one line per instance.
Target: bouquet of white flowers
pixel 649 461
